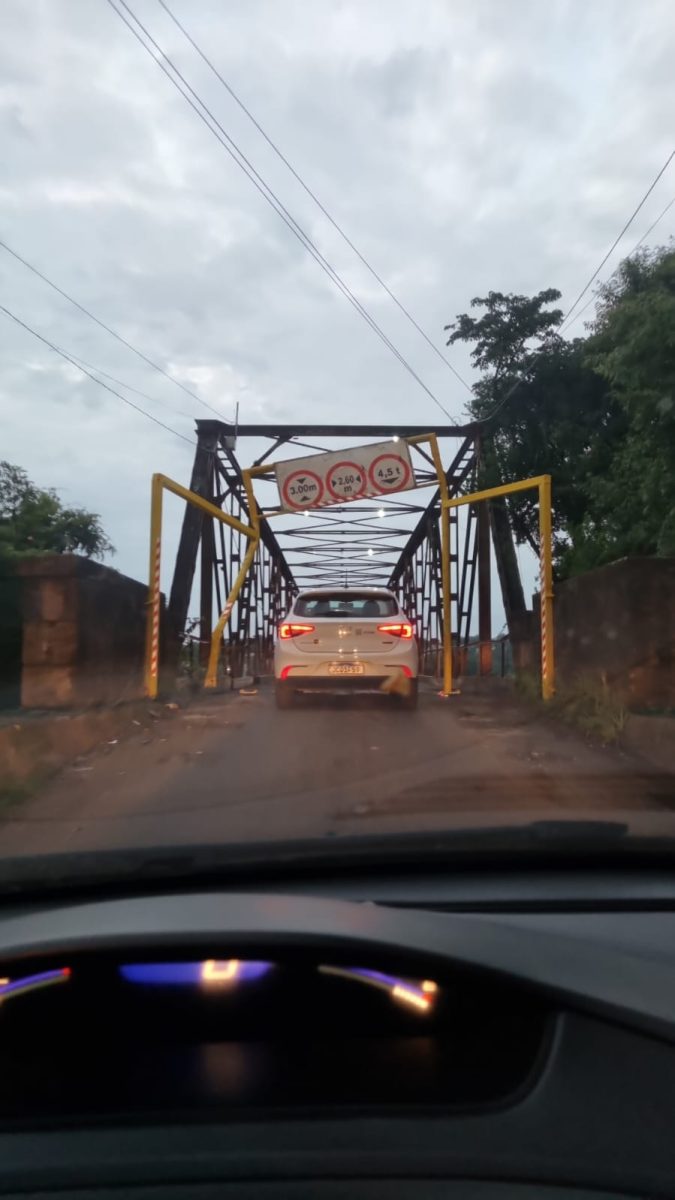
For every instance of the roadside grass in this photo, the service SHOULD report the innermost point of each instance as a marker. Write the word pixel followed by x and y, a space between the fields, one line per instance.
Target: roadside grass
pixel 588 705
pixel 528 686
pixel 14 793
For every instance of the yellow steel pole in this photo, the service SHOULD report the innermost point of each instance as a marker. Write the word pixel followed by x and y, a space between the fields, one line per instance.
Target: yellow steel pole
pixel 159 483
pixel 252 502
pixel 446 583
pixel 204 505
pixel 543 483
pixel 546 589
pixel 214 653
pixel 505 489
pixel 446 579
pixel 154 593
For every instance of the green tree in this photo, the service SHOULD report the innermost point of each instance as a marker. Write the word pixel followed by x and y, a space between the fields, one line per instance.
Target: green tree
pixel 597 413
pixel 34 521
pixel 632 348
pixel 552 412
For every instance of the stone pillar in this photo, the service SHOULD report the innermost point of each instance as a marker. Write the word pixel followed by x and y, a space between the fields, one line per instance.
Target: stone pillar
pixel 83 633
pixel 523 642
pixel 50 640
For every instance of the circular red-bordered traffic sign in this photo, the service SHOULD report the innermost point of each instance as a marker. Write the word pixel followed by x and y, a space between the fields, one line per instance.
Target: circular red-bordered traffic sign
pixel 304 501
pixel 347 466
pixel 398 484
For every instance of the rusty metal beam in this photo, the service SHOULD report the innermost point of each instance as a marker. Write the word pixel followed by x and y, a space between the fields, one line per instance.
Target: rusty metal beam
pixel 344 429
pixel 484 591
pixel 201 482
pixel 208 555
pixel 456 473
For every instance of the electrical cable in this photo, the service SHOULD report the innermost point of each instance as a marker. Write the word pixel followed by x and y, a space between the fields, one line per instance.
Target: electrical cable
pixel 268 194
pixel 516 384
pixel 108 329
pixel 66 356
pixel 636 247
pixel 296 175
pixel 616 241
pixel 79 361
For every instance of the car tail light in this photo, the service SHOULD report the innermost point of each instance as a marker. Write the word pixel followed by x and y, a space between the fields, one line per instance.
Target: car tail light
pixel 291 630
pixel 401 629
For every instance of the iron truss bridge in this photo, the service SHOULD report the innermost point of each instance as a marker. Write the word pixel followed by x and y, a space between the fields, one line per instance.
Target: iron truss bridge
pixel 389 540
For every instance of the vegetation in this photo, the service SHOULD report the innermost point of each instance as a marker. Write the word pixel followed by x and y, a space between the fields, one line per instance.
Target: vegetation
pixel 596 412
pixel 34 521
pixel 593 708
pixel 588 704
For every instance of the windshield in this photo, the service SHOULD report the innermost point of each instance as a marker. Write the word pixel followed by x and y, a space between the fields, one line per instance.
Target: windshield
pixel 337 477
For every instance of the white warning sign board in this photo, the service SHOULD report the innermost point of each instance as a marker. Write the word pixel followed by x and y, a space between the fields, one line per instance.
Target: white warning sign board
pixel 342 475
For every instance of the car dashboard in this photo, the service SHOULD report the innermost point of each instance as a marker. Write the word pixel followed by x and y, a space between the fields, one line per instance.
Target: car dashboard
pixel 295 1045
pixel 235 1038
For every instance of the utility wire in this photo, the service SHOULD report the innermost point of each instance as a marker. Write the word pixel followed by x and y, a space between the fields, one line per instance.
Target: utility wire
pixel 312 194
pixel 616 241
pixel 181 412
pixel 247 167
pixel 652 226
pixel 108 329
pixel 259 183
pixel 100 382
pixel 636 247
pixel 517 382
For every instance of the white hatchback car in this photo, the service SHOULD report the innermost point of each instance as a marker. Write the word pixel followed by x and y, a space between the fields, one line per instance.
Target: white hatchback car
pixel 345 639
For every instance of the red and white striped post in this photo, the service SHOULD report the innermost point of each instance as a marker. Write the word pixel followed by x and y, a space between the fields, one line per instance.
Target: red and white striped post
pixel 546 583
pixel 154 651
pixel 154 597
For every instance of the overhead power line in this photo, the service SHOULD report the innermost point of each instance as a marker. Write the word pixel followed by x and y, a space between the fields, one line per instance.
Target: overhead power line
pixel 118 337
pixel 616 241
pixel 516 384
pixel 113 392
pixel 181 412
pixel 652 226
pixel 296 175
pixel 229 145
pixel 636 247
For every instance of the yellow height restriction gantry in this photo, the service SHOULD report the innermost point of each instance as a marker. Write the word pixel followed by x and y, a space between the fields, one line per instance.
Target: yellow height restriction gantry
pixel 161 483
pixel 543 484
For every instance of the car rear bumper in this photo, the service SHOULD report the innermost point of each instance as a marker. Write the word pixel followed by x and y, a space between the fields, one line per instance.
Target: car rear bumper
pixel 289 664
pixel 335 683
pixel 288 667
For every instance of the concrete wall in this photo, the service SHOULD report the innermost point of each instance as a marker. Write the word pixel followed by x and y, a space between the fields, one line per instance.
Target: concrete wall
pixel 617 623
pixel 83 633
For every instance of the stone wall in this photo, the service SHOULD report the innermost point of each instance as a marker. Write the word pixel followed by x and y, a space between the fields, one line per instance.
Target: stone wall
pixel 83 633
pixel 10 638
pixel 616 624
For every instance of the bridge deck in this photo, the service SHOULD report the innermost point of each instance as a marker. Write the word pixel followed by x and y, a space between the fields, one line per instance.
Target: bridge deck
pixel 236 769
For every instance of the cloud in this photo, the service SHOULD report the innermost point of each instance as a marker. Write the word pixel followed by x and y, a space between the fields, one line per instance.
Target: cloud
pixel 463 147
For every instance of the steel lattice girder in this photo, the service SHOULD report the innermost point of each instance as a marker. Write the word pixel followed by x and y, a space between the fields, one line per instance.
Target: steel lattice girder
pixel 393 541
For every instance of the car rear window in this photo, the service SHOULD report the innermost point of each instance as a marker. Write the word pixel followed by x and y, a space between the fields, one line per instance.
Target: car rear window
pixel 341 604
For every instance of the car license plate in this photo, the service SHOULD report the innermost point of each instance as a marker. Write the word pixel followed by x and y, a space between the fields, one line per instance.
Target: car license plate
pixel 345 669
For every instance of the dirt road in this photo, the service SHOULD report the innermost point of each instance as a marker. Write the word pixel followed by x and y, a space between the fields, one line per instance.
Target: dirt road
pixel 233 768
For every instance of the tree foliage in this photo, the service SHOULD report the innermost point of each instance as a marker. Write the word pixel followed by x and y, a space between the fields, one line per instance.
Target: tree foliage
pixel 632 347
pixel 548 407
pixel 597 413
pixel 34 521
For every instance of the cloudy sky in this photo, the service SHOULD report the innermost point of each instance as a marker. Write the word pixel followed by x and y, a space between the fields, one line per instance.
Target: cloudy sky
pixel 464 145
